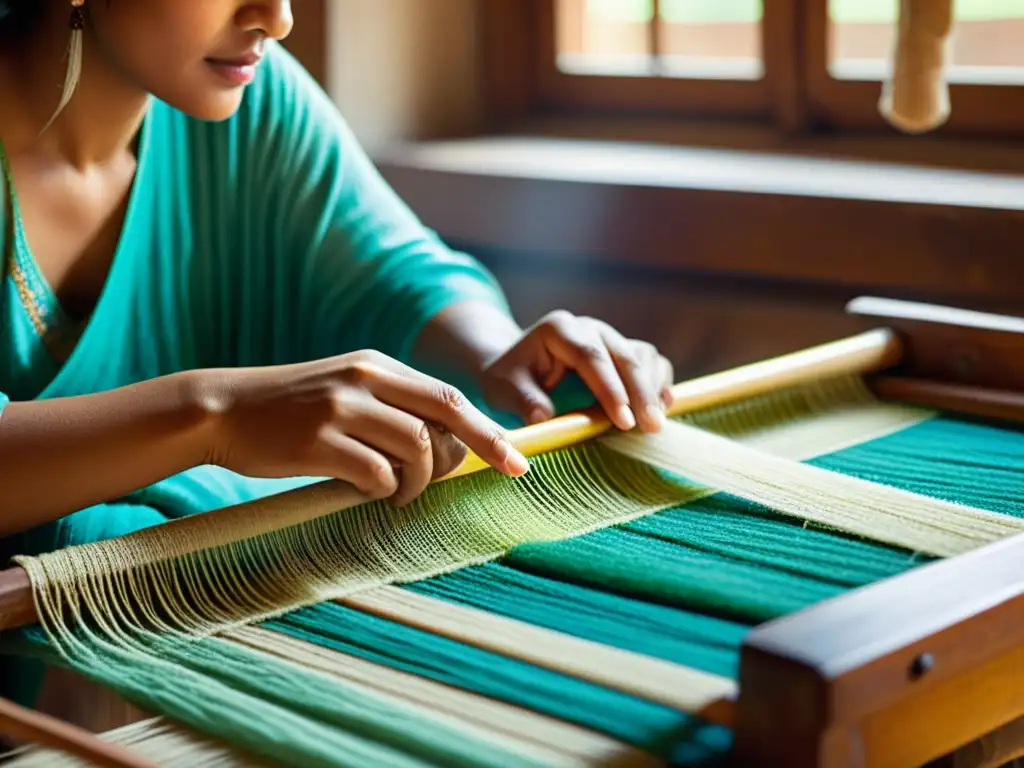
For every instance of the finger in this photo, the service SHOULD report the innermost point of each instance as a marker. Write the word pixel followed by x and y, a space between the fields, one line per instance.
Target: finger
pixel 347 459
pixel 668 380
pixel 582 349
pixel 444 405
pixel 519 393
pixel 637 365
pixel 397 434
pixel 449 451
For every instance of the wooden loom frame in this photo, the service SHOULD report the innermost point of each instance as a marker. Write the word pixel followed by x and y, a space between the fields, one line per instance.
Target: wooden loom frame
pixel 851 681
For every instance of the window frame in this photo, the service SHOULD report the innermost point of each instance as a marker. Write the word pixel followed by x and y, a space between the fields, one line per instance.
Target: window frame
pixel 796 96
pixel 978 110
pixel 665 95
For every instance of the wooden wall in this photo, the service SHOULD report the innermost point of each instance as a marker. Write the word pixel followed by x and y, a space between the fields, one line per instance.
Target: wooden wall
pixel 407 70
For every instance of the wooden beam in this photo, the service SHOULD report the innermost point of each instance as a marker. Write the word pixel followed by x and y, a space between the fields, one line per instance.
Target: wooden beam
pixel 952 346
pixel 902 232
pixel 35 727
pixel 894 674
pixel 508 52
pixel 308 40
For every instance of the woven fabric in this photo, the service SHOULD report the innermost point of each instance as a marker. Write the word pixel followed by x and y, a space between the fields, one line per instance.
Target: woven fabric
pixel 682 585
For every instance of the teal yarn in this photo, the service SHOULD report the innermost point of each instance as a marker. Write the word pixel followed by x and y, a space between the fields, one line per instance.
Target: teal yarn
pixel 684 585
pixel 704 642
pixel 634 721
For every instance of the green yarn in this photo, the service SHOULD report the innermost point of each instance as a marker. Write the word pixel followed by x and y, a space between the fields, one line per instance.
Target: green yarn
pixel 684 585
pixel 272 708
pixel 629 719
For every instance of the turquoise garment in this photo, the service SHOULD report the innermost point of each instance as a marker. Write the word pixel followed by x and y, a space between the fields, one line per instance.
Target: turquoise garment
pixel 268 238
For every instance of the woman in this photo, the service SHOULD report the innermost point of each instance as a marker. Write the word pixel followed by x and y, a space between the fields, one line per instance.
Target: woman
pixel 209 294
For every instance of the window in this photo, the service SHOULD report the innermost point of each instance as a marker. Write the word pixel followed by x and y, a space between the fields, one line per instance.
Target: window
pixel 797 64
pixel 670 38
pixel 987 47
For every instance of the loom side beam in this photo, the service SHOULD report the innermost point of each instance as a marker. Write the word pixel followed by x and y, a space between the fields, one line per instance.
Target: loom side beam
pixel 958 360
pixel 915 667
pixel 15 609
pixel 897 673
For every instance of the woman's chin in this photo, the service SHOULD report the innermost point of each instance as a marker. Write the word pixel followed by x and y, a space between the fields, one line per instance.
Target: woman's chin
pixel 212 105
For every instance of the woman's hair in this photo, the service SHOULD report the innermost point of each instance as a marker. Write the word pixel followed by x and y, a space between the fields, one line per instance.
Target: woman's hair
pixel 19 19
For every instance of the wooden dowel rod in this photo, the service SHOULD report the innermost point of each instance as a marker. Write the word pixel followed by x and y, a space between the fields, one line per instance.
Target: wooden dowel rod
pixel 28 725
pixel 861 354
pixel 858 355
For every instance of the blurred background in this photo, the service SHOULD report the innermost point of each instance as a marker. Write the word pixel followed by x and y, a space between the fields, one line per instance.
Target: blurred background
pixel 711 175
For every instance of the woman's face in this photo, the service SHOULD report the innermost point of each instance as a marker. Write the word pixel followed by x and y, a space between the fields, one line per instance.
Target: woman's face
pixel 196 55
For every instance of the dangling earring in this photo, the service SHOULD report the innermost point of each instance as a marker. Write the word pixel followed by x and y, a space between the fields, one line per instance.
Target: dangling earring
pixel 74 69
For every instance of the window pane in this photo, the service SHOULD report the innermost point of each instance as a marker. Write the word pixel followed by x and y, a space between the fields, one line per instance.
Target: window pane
pixel 604 36
pixel 690 38
pixel 986 44
pixel 712 38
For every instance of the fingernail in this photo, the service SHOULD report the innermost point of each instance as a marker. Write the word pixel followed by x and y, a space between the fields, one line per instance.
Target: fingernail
pixel 514 461
pixel 517 464
pixel 625 417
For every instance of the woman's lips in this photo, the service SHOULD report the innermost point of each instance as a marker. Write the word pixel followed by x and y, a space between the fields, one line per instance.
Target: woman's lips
pixel 238 71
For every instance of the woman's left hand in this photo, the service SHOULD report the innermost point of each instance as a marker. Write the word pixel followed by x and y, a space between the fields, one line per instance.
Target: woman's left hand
pixel 630 379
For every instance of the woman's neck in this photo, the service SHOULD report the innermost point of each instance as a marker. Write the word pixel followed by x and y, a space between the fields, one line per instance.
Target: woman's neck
pixel 98 124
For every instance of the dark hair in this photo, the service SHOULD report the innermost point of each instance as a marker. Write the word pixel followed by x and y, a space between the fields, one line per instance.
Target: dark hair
pixel 19 19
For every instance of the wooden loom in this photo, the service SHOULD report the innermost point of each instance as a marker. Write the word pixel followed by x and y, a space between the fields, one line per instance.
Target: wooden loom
pixel 881 675
pixel 896 674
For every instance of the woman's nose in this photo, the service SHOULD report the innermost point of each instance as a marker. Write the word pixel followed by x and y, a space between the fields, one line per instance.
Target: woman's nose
pixel 271 17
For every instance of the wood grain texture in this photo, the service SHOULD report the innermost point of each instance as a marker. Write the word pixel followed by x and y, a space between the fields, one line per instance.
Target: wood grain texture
pixel 506 57
pixel 581 207
pixel 782 41
pixel 1004 407
pixel 818 687
pixel 953 346
pixel 25 724
pixel 15 610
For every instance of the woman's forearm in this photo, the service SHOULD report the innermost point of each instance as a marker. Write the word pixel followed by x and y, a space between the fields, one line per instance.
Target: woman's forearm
pixel 58 456
pixel 464 338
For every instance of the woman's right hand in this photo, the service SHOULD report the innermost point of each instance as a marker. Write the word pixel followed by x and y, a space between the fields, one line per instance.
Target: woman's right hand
pixel 362 417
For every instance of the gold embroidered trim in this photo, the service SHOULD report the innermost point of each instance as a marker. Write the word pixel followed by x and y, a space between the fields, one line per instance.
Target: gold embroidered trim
pixel 58 341
pixel 29 299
